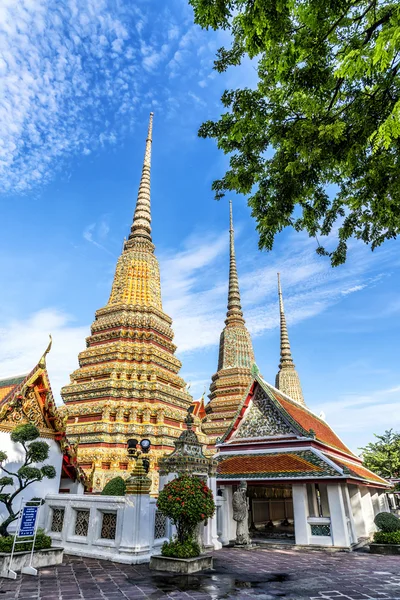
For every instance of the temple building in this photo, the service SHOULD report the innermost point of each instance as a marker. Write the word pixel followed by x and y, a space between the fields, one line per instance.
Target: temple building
pixel 235 359
pixel 28 398
pixel 303 482
pixel 128 384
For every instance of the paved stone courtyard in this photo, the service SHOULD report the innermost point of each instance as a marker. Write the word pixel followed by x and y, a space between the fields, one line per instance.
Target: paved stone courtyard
pixel 265 574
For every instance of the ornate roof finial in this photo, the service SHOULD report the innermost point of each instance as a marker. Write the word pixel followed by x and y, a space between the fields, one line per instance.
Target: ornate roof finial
pixel 287 379
pixel 234 312
pixel 42 361
pixel 141 226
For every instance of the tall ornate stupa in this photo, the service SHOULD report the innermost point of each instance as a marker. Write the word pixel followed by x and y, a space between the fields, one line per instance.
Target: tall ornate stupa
pixel 128 384
pixel 236 358
pixel 287 379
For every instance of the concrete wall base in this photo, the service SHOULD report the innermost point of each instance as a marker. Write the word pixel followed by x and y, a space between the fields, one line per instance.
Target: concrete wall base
pixel 47 557
pixel 181 565
pixel 384 548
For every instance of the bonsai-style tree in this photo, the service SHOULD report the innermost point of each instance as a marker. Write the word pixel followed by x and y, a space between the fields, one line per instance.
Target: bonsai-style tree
pixel 187 501
pixel 28 473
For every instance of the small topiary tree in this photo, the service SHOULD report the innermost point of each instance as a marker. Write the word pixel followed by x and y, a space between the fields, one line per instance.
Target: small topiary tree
pixel 115 487
pixel 387 522
pixel 35 452
pixel 187 501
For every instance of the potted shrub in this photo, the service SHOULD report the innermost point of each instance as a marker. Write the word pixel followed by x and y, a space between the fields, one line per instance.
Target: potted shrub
pixel 387 539
pixel 187 502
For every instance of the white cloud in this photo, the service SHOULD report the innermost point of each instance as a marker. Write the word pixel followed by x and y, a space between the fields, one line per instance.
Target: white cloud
pixel 72 74
pixel 356 416
pixel 97 231
pixel 23 341
pixel 195 286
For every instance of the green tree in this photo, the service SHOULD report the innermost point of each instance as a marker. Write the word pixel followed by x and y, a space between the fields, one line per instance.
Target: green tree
pixel 316 144
pixel 28 473
pixel 383 456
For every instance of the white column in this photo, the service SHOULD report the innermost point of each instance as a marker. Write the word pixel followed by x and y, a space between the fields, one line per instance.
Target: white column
pixel 383 501
pixel 349 513
pixel 210 531
pixel 357 511
pixel 375 501
pixel 300 510
pixel 339 529
pixel 137 527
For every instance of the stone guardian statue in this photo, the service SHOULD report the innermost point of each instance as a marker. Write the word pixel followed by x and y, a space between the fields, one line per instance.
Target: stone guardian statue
pixel 240 505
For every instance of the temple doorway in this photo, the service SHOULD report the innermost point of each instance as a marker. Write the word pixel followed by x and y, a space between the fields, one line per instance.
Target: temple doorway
pixel 271 512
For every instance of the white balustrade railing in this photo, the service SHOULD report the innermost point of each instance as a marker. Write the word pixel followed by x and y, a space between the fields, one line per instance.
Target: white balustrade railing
pixel 118 528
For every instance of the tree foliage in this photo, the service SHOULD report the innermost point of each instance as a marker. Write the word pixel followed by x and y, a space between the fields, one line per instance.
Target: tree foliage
pixel 187 501
pixel 387 522
pixel 28 473
pixel 115 487
pixel 316 143
pixel 383 456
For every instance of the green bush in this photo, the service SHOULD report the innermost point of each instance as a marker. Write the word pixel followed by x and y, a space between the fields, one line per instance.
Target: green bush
pixel 387 522
pixel 42 541
pixel 115 487
pixel 387 537
pixel 177 549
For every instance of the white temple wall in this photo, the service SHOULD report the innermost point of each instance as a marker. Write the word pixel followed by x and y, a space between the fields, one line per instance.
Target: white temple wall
pixel 39 489
pixel 126 529
pixel 67 486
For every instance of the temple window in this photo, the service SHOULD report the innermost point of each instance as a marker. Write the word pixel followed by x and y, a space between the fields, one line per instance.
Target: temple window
pixel 82 522
pixel 108 526
pixel 57 520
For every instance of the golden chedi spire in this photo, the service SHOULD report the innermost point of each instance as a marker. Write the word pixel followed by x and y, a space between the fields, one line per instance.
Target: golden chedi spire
pixel 128 384
pixel 141 226
pixel 235 360
pixel 287 379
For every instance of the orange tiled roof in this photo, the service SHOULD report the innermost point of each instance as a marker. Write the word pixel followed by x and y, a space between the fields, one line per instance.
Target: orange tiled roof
pixel 358 470
pixel 308 421
pixel 199 408
pixel 266 463
pixel 9 384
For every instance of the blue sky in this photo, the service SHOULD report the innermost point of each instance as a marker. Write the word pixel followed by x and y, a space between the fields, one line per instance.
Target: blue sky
pixel 78 80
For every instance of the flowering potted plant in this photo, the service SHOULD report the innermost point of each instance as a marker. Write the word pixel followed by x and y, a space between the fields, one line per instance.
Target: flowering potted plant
pixel 187 501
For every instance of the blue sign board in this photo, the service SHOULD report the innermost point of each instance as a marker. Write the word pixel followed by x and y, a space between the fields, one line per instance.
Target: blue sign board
pixel 28 521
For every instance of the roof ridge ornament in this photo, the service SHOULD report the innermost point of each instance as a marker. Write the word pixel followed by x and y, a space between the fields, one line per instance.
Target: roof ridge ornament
pixel 42 361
